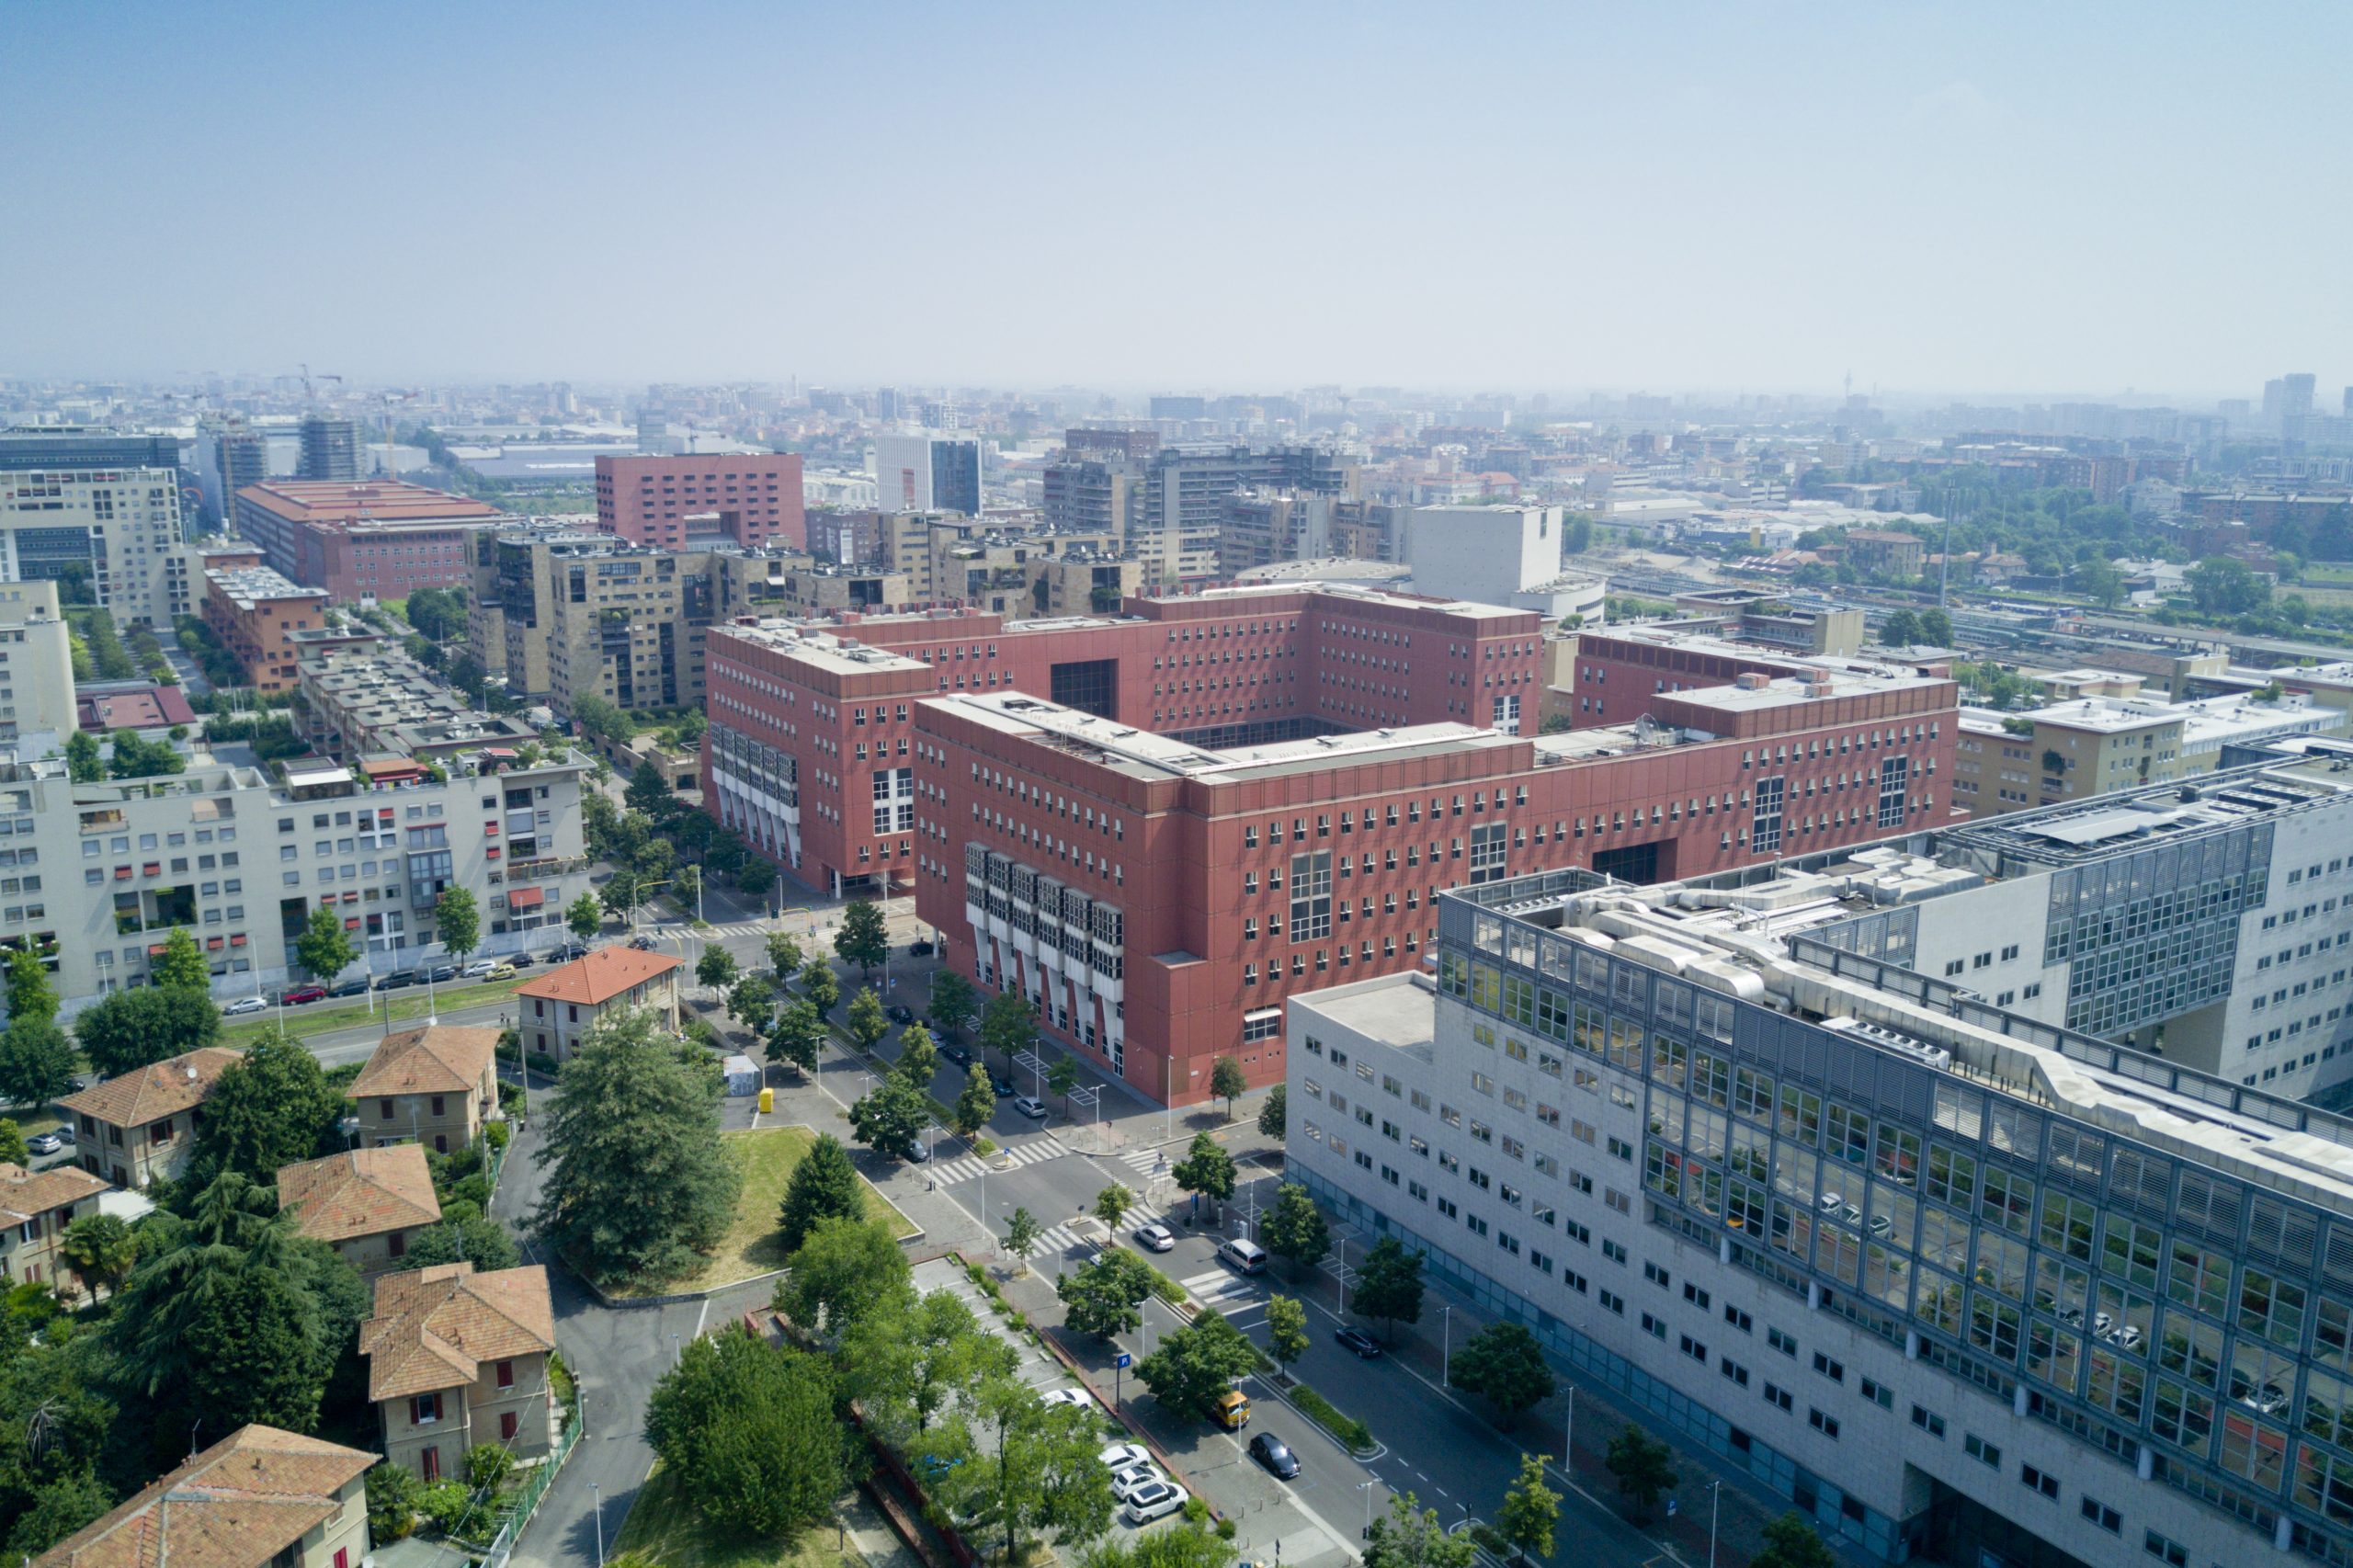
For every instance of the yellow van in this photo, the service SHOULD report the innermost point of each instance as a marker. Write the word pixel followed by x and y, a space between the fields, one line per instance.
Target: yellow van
pixel 1231 1410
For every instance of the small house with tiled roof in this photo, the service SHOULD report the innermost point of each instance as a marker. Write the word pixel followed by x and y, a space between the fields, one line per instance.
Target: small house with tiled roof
pixel 559 1007
pixel 365 1203
pixel 35 1209
pixel 457 1358
pixel 258 1498
pixel 139 1128
pixel 433 1086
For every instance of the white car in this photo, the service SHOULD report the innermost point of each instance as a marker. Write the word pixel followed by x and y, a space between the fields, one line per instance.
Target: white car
pixel 1153 1500
pixel 1124 1456
pixel 479 967
pixel 243 1005
pixel 1078 1399
pixel 1154 1238
pixel 1126 1483
pixel 1031 1107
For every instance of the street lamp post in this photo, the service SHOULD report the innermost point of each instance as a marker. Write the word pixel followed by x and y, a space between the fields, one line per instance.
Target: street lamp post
pixel 1365 1487
pixel 1445 1345
pixel 1715 1507
pixel 1344 1256
pixel 597 1494
pixel 1569 1438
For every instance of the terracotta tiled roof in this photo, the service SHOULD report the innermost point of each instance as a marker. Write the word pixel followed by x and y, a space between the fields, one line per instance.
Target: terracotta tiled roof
pixel 439 1059
pixel 236 1505
pixel 362 1193
pixel 601 976
pixel 435 1327
pixel 164 1089
pixel 24 1193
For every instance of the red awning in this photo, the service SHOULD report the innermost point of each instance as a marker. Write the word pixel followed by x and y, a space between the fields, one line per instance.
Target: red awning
pixel 527 898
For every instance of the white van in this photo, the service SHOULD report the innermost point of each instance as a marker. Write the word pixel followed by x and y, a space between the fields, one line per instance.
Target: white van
pixel 1247 1256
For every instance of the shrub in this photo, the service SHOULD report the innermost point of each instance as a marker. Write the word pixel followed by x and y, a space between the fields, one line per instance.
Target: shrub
pixel 393 1493
pixel 539 1062
pixel 1324 1413
pixel 1225 1529
pixel 498 1133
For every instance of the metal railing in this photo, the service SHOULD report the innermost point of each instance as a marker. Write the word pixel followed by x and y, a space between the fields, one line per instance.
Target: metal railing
pixel 525 1502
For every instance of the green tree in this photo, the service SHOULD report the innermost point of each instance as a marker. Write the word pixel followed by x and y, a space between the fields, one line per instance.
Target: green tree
pixel 845 1269
pixel 796 1035
pixel 818 984
pixel 1643 1465
pixel 1900 630
pixel 2220 585
pixel 749 1431
pixel 181 964
pixel 1936 629
pixel 1113 1204
pixel 1274 1113
pixel 1530 1509
pixel 953 1002
pixel 784 954
pixel 38 1063
pixel 458 920
pixel 751 1003
pixel 975 1104
pixel 1792 1542
pixel 438 613
pixel 865 1019
pixel 890 1118
pixel 1287 1338
pixel 919 1058
pixel 649 793
pixel 824 1186
pixel 1035 1467
pixel 1008 1026
pixel 1103 1297
pixel 639 1185
pixel 623 893
pixel 863 938
pixel 1179 1543
pixel 907 1359
pixel 1389 1286
pixel 30 994
pixel 100 1249
pixel 461 1238
pixel 1195 1364
pixel 1062 1078
pixel 599 720
pixel 395 1493
pixel 137 758
pixel 83 763
pixel 271 1108
pixel 12 1144
pixel 1295 1229
pixel 1022 1233
pixel 1227 1083
pixel 715 971
pixel 125 1030
pixel 1409 1536
pixel 324 948
pixel 585 916
pixel 1503 1362
pixel 1205 1170
pixel 56 1509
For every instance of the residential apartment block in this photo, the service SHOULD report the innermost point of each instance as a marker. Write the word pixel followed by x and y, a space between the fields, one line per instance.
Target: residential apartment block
pixel 434 1086
pixel 256 610
pixel 112 530
pixel 458 1358
pixel 555 1011
pixel 925 471
pixel 258 1498
pixel 35 1209
pixel 361 696
pixel 37 695
pixel 750 499
pixel 1956 1283
pixel 366 1203
pixel 139 1128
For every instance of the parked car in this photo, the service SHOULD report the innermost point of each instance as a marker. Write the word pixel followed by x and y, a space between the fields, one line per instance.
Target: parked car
pixel 444 972
pixel 400 979
pixel 45 1143
pixel 1124 1456
pixel 571 951
pixel 1276 1455
pixel 1359 1344
pixel 958 1054
pixel 523 960
pixel 899 1012
pixel 919 950
pixel 1156 1500
pixel 1156 1238
pixel 295 995
pixel 1078 1399
pixel 243 1005
pixel 479 967
pixel 1129 1480
pixel 350 988
pixel 1031 1107
pixel 1000 1083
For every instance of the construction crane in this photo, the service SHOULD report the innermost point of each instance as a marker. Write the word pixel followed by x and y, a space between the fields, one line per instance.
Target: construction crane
pixel 310 392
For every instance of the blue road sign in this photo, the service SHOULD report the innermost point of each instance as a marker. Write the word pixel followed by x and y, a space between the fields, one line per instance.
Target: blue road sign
pixel 1123 1360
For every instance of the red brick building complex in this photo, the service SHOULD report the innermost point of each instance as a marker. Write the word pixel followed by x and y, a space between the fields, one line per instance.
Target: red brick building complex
pixel 751 498
pixel 1216 801
pixel 379 539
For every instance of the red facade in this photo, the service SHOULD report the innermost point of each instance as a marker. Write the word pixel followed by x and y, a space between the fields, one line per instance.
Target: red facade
pixel 756 496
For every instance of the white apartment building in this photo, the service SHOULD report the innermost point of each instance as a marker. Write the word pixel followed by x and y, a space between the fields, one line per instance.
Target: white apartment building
pixel 35 663
pixel 118 526
pixel 95 875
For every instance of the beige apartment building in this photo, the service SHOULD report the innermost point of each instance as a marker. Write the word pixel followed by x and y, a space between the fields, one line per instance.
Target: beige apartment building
pixel 258 1498
pixel 35 1209
pixel 36 663
pixel 556 1010
pixel 456 1358
pixel 140 1127
pixel 367 1204
pixel 434 1086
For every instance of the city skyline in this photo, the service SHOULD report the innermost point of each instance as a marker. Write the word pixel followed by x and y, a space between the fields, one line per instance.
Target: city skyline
pixel 1511 200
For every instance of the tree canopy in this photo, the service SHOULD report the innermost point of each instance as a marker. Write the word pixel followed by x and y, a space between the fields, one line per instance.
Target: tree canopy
pixel 953 1002
pixel 1295 1229
pixel 325 947
pixel 456 920
pixel 844 1269
pixel 890 1118
pixel 1195 1364
pixel 125 1030
pixel 748 1429
pixel 1228 1084
pixel 1389 1285
pixel 1643 1465
pixel 1274 1112
pixel 1503 1362
pixel 824 1186
pixel 863 938
pixel 181 964
pixel 271 1108
pixel 1103 1297
pixel 1008 1026
pixel 1409 1536
pixel 1205 1170
pixel 38 1063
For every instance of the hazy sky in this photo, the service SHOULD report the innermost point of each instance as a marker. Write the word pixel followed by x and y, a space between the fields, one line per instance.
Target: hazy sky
pixel 2078 199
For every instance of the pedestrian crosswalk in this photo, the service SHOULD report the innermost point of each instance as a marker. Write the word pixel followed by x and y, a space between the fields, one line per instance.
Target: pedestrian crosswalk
pixel 1144 1162
pixel 1222 1288
pixel 969 1167
pixel 1064 1239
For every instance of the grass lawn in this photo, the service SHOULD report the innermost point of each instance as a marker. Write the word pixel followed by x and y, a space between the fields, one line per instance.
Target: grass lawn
pixel 767 1155
pixel 662 1525
pixel 317 1017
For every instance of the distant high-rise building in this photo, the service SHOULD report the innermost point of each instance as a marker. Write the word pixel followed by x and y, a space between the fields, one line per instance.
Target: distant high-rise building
pixel 927 472
pixel 330 448
pixel 1179 408
pixel 2298 388
pixel 83 510
pixel 886 403
pixel 753 498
